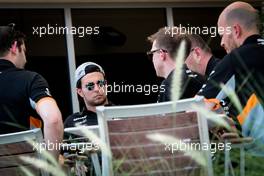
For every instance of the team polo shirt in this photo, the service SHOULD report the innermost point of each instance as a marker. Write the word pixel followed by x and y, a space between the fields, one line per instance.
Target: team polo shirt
pixel 242 70
pixel 191 84
pixel 85 117
pixel 20 90
pixel 213 61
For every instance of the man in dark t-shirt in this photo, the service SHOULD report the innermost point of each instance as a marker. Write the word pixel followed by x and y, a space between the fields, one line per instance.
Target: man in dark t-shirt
pixel 192 82
pixel 200 59
pixel 24 92
pixel 91 87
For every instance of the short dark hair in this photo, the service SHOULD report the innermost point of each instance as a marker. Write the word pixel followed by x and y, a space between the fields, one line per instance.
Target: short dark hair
pixel 249 19
pixel 8 35
pixel 170 43
pixel 198 41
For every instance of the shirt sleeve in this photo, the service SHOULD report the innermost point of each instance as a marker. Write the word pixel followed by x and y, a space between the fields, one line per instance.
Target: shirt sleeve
pixel 223 73
pixel 38 89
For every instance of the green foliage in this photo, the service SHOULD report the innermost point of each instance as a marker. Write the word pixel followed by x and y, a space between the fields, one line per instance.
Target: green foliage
pixel 253 164
pixel 26 171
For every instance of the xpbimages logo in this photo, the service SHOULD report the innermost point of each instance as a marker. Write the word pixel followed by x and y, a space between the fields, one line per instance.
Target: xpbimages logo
pixel 186 145
pixel 80 31
pixel 123 87
pixel 80 147
pixel 204 30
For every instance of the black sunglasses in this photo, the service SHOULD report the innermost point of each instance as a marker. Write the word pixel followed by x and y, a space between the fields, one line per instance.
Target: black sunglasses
pixel 150 53
pixel 90 85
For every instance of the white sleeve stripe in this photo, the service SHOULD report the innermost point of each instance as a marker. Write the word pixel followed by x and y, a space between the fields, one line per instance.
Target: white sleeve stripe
pixel 32 103
pixel 231 83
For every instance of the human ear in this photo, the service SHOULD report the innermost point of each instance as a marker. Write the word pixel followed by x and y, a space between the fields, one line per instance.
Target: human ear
pixel 237 30
pixel 13 48
pixel 197 55
pixel 80 92
pixel 163 55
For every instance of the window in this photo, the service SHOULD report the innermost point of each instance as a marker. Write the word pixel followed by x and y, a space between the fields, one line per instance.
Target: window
pixel 120 49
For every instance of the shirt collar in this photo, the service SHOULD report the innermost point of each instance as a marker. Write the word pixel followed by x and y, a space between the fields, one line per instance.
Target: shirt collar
pixel 252 39
pixel 210 65
pixel 6 64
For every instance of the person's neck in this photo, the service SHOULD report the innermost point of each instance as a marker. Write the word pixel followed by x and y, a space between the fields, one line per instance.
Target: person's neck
pixel 207 57
pixel 246 35
pixel 9 58
pixel 93 108
pixel 169 67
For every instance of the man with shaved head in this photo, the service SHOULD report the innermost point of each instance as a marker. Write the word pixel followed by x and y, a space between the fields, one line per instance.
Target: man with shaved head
pixel 241 70
pixel 243 21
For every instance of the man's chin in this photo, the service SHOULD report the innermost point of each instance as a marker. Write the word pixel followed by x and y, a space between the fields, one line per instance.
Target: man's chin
pixel 99 102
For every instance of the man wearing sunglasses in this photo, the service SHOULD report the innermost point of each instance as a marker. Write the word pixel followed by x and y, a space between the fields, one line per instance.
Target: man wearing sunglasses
pixel 162 54
pixel 24 94
pixel 91 87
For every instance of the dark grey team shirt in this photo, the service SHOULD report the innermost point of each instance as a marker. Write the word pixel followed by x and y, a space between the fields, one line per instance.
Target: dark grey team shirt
pixel 85 117
pixel 191 84
pixel 20 90
pixel 242 71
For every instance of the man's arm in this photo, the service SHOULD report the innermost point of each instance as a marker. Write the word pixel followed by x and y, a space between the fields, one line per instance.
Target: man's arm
pixel 53 126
